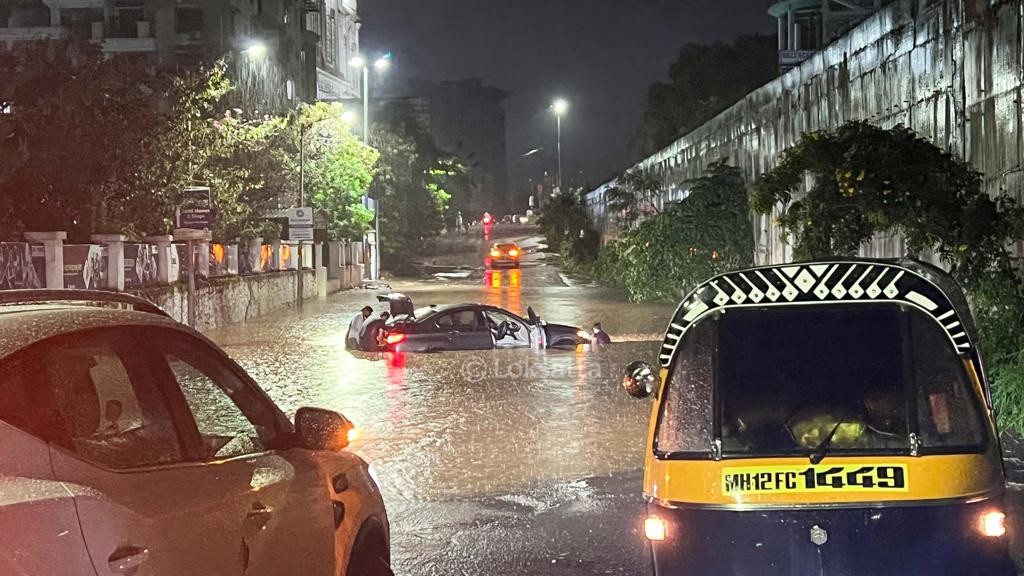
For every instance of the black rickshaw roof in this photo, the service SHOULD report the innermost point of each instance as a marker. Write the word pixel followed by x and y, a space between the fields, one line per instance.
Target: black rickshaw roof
pixel 835 281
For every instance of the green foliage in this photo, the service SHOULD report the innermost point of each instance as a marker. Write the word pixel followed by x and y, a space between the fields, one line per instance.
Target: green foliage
pixel 106 145
pixel 667 255
pixel 339 169
pixel 563 222
pixel 703 81
pixel 416 182
pixel 868 179
pixel 633 195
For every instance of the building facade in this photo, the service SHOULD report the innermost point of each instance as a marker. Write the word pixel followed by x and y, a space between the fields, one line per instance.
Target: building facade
pixel 274 48
pixel 806 26
pixel 337 24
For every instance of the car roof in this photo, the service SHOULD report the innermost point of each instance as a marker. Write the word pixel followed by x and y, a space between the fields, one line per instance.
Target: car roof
pixel 24 325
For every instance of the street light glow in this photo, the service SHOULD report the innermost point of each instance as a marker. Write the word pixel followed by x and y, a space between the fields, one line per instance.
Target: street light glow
pixel 256 50
pixel 349 117
pixel 357 61
pixel 560 106
pixel 382 64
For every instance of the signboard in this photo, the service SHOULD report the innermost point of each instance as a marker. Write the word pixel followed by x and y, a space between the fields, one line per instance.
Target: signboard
pixel 139 265
pixel 300 217
pixel 300 224
pixel 301 234
pixel 85 266
pixel 194 212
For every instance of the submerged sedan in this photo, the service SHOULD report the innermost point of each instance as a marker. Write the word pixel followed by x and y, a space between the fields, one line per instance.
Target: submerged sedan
pixel 470 327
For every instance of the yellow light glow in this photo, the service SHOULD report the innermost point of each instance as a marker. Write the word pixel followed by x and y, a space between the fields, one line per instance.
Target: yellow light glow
pixel 354 434
pixel 655 529
pixel 495 253
pixel 993 524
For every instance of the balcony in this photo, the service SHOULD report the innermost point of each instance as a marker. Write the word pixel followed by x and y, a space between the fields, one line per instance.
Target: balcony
pixel 123 45
pixel 9 36
pixel 792 58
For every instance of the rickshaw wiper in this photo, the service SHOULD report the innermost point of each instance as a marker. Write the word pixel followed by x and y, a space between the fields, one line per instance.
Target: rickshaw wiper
pixel 822 449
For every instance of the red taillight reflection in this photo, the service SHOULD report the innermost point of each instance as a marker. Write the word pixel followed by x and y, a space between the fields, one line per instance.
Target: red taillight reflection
pixel 396 338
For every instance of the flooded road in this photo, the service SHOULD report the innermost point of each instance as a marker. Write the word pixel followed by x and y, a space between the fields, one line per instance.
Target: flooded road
pixel 497 462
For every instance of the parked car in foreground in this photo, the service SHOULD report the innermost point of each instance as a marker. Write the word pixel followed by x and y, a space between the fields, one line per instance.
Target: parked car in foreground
pixel 133 445
pixel 470 327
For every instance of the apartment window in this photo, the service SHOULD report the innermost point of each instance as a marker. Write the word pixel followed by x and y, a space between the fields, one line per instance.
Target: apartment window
pixel 331 42
pixel 188 20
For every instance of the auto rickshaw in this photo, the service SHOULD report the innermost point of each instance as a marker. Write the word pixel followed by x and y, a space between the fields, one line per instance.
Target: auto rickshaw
pixel 823 418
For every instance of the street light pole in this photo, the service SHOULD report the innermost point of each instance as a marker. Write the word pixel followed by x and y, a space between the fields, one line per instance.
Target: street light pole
pixel 366 104
pixel 559 121
pixel 559 106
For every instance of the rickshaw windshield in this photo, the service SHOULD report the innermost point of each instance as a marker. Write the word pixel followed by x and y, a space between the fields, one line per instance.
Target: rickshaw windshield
pixel 780 381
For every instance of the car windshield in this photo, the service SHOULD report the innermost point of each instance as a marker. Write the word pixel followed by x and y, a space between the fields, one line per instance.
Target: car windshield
pixel 788 379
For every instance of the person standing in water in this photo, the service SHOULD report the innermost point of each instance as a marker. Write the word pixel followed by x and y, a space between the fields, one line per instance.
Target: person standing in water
pixel 355 327
pixel 600 337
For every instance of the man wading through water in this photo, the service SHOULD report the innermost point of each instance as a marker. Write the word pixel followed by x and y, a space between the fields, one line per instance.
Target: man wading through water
pixel 355 327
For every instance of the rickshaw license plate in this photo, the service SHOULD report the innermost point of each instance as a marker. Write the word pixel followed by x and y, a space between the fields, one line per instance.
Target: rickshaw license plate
pixel 794 479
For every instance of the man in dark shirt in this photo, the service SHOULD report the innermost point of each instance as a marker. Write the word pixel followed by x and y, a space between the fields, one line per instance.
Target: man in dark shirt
pixel 370 334
pixel 600 337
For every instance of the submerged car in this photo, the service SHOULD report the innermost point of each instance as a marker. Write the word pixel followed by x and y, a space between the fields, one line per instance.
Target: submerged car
pixel 470 327
pixel 504 256
pixel 134 445
pixel 829 417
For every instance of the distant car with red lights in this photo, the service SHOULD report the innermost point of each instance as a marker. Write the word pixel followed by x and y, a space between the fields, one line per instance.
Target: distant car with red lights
pixel 504 256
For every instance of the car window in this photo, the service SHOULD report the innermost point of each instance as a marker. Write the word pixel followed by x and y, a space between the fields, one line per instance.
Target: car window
pixel 93 394
pixel 232 419
pixel 461 320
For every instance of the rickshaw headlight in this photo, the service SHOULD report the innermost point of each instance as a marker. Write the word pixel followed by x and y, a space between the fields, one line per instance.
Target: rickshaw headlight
pixel 992 524
pixel 655 528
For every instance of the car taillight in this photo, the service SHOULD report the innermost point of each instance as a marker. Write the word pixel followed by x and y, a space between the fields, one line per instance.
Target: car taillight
pixel 513 252
pixel 495 253
pixel 396 338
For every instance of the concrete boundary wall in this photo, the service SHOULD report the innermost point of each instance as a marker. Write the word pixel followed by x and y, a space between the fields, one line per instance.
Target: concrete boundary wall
pixel 952 70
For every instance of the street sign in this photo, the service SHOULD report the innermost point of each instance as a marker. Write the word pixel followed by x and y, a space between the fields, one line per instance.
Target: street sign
pixel 303 233
pixel 194 211
pixel 187 234
pixel 300 217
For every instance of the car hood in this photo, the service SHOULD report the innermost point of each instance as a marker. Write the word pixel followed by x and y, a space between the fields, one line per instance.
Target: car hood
pixel 400 304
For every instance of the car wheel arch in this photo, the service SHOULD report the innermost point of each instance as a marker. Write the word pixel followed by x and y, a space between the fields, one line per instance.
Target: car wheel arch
pixel 370 545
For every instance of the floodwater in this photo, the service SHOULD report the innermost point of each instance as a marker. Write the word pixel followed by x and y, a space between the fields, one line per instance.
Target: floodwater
pixel 503 462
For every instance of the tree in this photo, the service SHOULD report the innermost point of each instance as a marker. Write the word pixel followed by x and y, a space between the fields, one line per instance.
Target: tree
pixel 414 181
pixel 564 223
pixel 670 253
pixel 867 180
pixel 339 169
pixel 75 124
pixel 703 81
pixel 633 196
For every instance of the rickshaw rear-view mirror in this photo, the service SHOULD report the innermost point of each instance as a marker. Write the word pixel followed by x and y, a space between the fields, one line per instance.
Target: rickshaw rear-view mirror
pixel 640 379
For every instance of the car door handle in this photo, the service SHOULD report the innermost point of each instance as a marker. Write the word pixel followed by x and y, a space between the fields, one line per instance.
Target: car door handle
pixel 127 559
pixel 258 517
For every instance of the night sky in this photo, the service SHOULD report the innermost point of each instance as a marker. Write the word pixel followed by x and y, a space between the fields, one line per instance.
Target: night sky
pixel 599 54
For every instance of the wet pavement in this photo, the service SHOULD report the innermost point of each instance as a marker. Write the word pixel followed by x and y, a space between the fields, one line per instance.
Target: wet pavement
pixel 513 462
pixel 510 461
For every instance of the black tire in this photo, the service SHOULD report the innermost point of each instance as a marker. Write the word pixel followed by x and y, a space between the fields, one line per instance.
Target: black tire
pixel 370 553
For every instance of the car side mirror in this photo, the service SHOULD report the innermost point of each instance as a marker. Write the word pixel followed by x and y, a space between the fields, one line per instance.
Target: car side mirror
pixel 319 429
pixel 640 380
